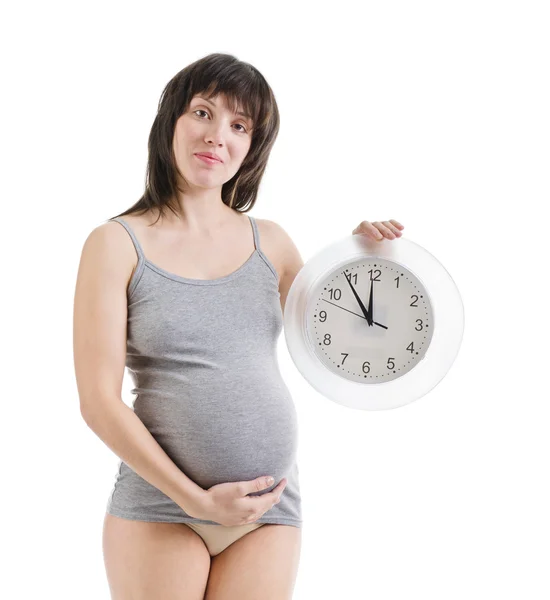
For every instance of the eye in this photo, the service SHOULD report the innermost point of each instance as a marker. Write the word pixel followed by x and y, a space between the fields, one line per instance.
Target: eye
pixel 243 130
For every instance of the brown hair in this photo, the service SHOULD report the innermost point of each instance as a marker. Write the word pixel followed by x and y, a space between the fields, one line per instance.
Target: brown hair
pixel 241 84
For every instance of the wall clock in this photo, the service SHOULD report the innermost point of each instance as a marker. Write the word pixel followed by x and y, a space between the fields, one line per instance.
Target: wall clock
pixel 373 325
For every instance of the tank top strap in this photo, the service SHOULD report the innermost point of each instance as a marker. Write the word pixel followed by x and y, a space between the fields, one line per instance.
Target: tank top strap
pixel 140 266
pixel 259 250
pixel 255 232
pixel 137 245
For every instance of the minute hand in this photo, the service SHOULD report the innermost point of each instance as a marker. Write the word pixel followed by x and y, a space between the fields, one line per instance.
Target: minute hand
pixel 370 302
pixel 363 309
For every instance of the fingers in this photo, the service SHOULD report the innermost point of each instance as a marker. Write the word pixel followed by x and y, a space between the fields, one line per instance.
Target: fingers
pixel 386 229
pixel 268 500
pixel 258 505
pixel 372 230
pixel 379 230
pixel 277 491
pixel 397 224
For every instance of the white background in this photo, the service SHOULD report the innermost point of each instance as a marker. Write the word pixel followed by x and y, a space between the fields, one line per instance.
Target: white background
pixel 432 113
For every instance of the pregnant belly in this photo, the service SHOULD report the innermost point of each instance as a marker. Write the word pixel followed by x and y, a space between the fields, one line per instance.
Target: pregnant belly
pixel 217 433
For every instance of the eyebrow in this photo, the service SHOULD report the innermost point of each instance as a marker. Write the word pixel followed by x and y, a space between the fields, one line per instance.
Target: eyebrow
pixel 214 104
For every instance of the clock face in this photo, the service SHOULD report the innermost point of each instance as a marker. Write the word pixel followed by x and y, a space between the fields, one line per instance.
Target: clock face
pixel 383 340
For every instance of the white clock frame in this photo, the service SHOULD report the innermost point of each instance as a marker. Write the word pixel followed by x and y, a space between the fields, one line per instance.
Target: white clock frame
pixel 447 328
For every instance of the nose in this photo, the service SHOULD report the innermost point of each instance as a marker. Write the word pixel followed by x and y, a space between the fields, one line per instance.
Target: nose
pixel 215 135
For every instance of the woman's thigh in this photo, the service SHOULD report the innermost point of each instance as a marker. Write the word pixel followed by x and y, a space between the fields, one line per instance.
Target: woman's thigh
pixel 147 561
pixel 262 564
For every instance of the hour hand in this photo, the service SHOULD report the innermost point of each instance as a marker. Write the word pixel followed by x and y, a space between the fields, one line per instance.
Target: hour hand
pixel 363 309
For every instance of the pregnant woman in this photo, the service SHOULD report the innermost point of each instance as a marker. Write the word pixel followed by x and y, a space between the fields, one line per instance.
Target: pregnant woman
pixel 188 292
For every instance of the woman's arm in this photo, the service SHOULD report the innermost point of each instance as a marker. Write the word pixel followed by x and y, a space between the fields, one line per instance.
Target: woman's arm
pixel 99 345
pixel 285 256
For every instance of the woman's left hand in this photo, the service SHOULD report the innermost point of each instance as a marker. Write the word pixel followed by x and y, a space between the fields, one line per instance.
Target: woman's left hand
pixel 378 230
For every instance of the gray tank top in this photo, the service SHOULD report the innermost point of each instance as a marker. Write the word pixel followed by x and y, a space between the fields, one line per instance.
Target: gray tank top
pixel 202 355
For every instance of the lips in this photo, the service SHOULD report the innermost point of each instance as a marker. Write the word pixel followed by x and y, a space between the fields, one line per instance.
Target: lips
pixel 208 156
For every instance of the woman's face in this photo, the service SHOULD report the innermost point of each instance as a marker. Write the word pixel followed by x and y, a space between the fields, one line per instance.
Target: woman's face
pixel 209 126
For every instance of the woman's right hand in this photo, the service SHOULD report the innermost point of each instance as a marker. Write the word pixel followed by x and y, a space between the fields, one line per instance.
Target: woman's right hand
pixel 229 505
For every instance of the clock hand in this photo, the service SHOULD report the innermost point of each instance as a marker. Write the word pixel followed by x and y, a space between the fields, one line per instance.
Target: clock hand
pixel 369 310
pixel 363 309
pixel 353 313
pixel 371 306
